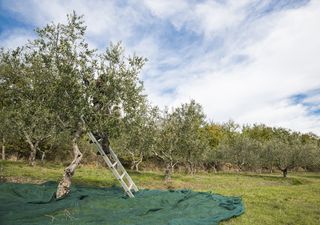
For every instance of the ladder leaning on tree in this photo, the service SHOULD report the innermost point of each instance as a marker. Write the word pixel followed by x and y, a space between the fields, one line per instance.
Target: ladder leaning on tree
pixel 116 167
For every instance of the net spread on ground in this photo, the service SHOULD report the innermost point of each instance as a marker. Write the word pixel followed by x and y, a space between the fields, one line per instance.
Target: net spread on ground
pixel 35 204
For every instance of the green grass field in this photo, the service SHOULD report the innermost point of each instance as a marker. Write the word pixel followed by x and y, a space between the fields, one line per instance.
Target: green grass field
pixel 268 198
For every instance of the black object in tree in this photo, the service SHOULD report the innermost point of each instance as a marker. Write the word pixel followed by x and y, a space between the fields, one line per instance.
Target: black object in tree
pixel 103 141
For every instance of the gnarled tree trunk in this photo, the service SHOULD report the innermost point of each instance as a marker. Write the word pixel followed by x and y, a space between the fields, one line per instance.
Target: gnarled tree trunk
pixel 136 161
pixel 33 147
pixel 64 185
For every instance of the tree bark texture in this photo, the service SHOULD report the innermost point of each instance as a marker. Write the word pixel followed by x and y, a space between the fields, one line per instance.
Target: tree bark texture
pixel 63 188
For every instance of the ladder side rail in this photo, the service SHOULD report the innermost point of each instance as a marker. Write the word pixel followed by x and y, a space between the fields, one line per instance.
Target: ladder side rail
pixel 119 165
pixel 133 185
pixel 92 137
pixel 123 169
pixel 104 156
pixel 113 169
pixel 117 175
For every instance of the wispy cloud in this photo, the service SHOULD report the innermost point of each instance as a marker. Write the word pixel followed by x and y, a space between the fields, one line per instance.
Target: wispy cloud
pixel 244 60
pixel 14 38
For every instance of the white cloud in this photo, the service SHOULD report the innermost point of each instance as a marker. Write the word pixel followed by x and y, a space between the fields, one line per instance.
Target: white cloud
pixel 284 63
pixel 106 21
pixel 205 17
pixel 213 17
pixel 179 12
pixel 15 38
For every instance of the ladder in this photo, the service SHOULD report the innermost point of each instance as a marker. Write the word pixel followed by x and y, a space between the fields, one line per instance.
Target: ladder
pixel 117 168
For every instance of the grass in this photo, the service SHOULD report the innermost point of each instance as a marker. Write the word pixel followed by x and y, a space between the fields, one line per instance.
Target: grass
pixel 268 198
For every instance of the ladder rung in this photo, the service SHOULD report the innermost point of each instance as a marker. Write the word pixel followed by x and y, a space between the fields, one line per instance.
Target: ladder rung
pixel 114 170
pixel 123 175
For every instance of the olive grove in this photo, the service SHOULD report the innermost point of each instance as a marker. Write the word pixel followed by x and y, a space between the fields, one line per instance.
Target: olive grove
pixel 56 88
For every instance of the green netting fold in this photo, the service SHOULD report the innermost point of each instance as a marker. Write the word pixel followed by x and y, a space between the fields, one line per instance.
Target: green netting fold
pixel 34 204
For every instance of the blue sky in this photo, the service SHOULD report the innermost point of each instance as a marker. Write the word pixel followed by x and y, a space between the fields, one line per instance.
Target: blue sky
pixel 253 61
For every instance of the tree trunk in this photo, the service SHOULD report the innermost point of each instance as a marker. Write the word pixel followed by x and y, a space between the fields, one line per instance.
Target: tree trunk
pixel 214 168
pixel 3 149
pixel 32 157
pixel 168 172
pixel 191 167
pixel 167 175
pixel 43 155
pixel 33 147
pixel 64 185
pixel 136 162
pixel 33 153
pixel 285 172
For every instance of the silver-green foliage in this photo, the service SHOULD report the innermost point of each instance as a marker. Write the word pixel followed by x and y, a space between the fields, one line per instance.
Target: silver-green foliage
pixel 180 137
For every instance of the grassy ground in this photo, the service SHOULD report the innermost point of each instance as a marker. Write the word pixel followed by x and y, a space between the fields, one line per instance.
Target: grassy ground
pixel 269 199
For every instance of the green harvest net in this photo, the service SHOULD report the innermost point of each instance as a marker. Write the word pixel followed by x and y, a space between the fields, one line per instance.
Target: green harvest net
pixel 34 204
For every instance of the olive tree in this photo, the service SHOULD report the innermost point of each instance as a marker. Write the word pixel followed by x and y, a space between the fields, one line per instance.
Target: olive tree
pixel 24 99
pixel 192 142
pixel 240 151
pixel 56 80
pixel 61 52
pixel 214 134
pixel 166 139
pixel 309 158
pixel 138 137
pixel 104 89
pixel 180 139
pixel 286 150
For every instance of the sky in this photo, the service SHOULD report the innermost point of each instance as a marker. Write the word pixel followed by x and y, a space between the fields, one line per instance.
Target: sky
pixel 250 61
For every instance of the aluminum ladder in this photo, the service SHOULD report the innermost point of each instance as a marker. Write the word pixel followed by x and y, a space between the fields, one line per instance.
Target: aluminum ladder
pixel 116 167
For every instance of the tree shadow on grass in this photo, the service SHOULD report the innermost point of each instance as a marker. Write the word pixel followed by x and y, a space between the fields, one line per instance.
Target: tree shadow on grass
pixel 289 180
pixel 96 183
pixel 139 174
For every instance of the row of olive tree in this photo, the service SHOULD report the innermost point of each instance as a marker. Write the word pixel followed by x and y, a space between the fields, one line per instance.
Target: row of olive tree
pixel 173 138
pixel 260 147
pixel 183 137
